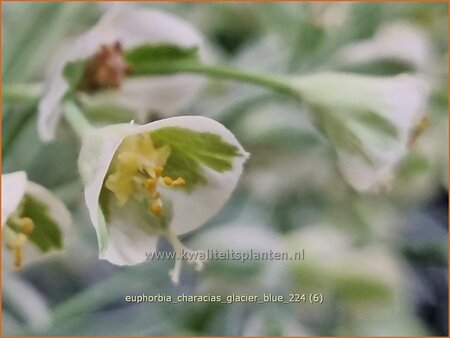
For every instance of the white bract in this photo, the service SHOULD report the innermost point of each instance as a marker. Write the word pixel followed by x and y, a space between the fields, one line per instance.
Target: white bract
pixel 164 178
pixel 370 120
pixel 401 41
pixel 31 214
pixel 129 28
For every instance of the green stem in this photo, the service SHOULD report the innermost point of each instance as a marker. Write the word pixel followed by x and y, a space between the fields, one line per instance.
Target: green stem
pixel 274 82
pixel 16 127
pixel 75 118
pixel 21 92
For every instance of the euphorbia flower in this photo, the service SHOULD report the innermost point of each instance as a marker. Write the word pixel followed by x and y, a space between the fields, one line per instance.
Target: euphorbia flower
pixel 33 219
pixel 105 79
pixel 164 178
pixel 370 120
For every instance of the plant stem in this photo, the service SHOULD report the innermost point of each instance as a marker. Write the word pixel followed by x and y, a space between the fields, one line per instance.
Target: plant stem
pixel 21 92
pixel 274 82
pixel 75 118
pixel 15 128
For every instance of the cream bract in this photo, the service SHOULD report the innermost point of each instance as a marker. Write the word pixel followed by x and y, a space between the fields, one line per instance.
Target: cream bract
pixel 370 120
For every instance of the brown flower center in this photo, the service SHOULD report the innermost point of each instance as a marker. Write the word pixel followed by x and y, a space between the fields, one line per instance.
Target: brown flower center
pixel 106 69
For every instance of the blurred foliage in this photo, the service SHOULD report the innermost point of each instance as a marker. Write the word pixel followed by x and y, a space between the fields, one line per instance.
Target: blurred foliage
pixel 380 260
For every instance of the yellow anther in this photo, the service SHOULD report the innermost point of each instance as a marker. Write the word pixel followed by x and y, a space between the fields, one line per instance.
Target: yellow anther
pixel 158 171
pixel 156 209
pixel 18 257
pixel 151 184
pixel 15 240
pixel 26 226
pixel 179 181
pixel 155 195
pixel 168 181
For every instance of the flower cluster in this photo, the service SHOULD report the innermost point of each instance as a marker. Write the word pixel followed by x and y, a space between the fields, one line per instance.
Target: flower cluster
pixel 168 177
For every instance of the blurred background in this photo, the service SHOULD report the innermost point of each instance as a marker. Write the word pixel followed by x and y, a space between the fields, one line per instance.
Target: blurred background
pixel 380 260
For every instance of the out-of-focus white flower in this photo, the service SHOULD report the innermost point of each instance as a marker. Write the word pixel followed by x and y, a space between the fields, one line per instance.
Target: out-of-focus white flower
pixel 370 120
pixel 333 264
pixel 164 178
pixel 401 41
pixel 124 29
pixel 31 213
pixel 424 171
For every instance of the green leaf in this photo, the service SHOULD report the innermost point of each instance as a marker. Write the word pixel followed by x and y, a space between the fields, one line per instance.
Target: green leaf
pixel 28 46
pixel 146 56
pixel 365 18
pixel 73 73
pixel 46 233
pixel 190 150
pixel 310 37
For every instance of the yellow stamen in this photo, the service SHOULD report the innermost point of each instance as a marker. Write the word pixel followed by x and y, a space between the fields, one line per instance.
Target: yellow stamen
pixel 158 171
pixel 26 226
pixel 18 257
pixel 156 209
pixel 15 242
pixel 418 130
pixel 423 123
pixel 168 181
pixel 151 185
pixel 155 195
pixel 179 181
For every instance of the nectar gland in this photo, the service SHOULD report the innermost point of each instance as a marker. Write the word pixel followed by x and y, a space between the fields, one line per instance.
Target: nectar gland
pixel 107 68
